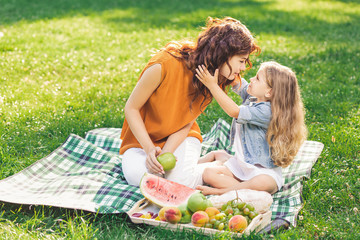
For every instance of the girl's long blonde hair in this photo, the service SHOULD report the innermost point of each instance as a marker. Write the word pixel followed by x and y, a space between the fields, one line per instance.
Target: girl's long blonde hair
pixel 287 130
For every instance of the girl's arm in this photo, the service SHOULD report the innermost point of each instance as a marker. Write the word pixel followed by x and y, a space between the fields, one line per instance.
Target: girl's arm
pixel 211 82
pixel 146 85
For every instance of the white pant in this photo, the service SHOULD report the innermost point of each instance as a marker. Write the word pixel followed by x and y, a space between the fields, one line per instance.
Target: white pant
pixel 186 171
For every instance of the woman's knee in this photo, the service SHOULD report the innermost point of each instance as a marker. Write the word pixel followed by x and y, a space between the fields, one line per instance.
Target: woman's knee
pixel 133 166
pixel 133 178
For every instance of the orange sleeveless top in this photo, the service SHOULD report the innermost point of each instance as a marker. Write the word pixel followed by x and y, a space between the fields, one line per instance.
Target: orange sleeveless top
pixel 168 108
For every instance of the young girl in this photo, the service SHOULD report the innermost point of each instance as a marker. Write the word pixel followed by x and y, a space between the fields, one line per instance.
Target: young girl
pixel 161 112
pixel 269 130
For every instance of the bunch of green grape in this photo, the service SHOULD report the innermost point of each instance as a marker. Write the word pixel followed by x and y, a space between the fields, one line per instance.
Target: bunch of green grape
pixel 233 207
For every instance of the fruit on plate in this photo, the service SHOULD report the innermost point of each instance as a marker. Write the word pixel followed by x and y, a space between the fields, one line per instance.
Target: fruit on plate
pixel 238 223
pixel 198 202
pixel 163 192
pixel 162 214
pixel 233 215
pixel 209 203
pixel 211 212
pixel 185 213
pixel 167 160
pixel 148 215
pixel 137 214
pixel 199 219
pixel 220 216
pixel 260 200
pixel 172 214
pixel 229 210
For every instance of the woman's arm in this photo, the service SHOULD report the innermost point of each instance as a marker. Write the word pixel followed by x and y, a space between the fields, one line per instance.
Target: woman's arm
pixel 211 82
pixel 175 139
pixel 145 87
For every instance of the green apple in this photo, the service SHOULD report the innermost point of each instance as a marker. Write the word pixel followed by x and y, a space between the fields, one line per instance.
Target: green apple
pixel 197 202
pixel 185 213
pixel 167 160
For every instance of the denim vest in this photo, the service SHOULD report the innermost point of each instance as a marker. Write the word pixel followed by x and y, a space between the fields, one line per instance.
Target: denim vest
pixel 254 119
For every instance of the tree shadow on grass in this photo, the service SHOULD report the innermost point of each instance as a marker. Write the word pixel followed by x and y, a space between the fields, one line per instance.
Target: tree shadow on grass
pixel 128 16
pixel 289 24
pixel 18 10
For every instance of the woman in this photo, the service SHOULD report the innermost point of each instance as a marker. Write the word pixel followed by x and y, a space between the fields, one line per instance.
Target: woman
pixel 161 112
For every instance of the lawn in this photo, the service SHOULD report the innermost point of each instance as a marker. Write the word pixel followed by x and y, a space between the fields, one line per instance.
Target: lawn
pixel 68 66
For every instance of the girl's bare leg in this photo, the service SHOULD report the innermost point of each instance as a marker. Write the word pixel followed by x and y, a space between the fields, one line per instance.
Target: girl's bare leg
pixel 222 180
pixel 219 177
pixel 260 183
pixel 218 155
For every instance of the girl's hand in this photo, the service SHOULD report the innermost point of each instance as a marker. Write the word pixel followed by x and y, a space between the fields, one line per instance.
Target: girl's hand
pixel 206 78
pixel 152 163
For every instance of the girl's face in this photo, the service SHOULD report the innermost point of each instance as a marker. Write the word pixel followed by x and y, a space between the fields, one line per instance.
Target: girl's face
pixel 258 87
pixel 237 63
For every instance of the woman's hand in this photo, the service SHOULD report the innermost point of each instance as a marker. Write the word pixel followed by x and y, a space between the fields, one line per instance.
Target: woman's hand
pixel 152 163
pixel 206 78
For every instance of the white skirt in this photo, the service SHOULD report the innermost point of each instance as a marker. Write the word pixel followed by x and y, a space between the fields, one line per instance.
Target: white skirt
pixel 246 171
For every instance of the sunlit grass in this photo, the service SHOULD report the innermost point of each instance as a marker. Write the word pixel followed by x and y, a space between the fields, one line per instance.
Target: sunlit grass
pixel 69 66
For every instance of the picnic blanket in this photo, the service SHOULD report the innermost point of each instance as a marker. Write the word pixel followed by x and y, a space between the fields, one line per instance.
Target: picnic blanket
pixel 86 174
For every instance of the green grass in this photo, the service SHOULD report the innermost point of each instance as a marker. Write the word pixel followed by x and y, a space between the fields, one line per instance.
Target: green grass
pixel 68 67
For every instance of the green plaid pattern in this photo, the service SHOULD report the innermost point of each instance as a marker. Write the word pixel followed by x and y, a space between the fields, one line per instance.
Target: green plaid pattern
pixel 105 138
pixel 217 138
pixel 77 175
pixel 86 174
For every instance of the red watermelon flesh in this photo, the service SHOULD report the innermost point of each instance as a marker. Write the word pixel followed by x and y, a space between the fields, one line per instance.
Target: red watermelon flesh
pixel 163 192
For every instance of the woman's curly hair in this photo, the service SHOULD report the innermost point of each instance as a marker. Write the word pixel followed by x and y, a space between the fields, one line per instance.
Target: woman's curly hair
pixel 220 40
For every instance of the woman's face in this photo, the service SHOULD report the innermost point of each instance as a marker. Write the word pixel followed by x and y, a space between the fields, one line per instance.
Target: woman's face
pixel 237 63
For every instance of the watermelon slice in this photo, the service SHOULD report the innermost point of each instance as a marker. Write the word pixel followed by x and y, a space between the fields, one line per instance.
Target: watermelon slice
pixel 163 192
